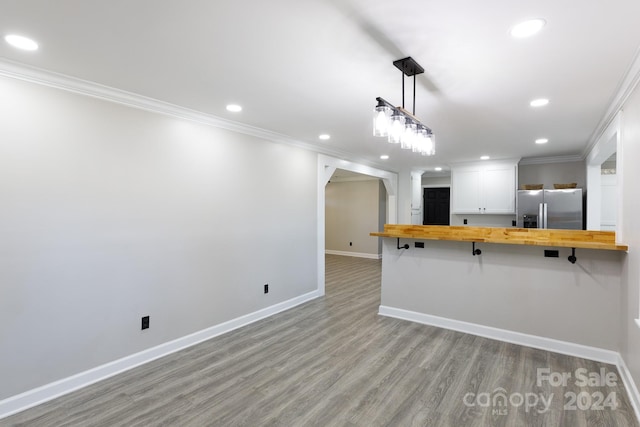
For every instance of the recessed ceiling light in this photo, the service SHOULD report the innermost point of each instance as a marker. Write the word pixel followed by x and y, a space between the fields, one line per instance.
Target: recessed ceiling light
pixel 438 169
pixel 542 141
pixel 485 158
pixel 234 108
pixel 21 42
pixel 527 28
pixel 324 136
pixel 541 102
pixel 384 157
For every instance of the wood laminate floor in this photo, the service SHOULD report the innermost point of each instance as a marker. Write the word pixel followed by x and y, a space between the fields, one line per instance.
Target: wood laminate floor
pixel 335 362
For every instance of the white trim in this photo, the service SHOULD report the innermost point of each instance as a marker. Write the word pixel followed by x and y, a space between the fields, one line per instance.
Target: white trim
pixel 353 254
pixel 630 385
pixel 471 164
pixel 543 343
pixel 610 142
pixel 67 385
pixel 555 159
pixel 626 87
pixel 620 165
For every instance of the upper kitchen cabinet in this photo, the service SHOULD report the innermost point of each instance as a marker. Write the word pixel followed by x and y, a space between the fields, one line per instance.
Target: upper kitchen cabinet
pixel 484 188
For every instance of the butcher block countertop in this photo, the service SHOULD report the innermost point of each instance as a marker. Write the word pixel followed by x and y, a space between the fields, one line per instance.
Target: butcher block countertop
pixel 512 236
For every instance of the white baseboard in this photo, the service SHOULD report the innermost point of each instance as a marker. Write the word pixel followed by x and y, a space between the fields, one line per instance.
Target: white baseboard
pixel 550 344
pixel 64 386
pixel 353 254
pixel 630 385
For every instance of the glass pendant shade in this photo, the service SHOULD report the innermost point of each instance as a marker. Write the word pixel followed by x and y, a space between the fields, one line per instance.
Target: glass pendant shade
pixel 408 136
pixel 381 120
pixel 430 146
pixel 420 141
pixel 396 129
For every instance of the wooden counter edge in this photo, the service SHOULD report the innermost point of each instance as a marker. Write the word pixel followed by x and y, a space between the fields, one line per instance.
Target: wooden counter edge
pixel 528 242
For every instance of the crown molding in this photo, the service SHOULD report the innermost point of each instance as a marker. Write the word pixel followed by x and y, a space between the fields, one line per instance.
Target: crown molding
pixel 556 159
pixel 354 179
pixel 84 87
pixel 627 85
pixel 19 71
pixel 511 160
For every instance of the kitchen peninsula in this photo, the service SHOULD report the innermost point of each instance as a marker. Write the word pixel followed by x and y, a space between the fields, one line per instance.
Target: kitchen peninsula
pixel 511 284
pixel 586 239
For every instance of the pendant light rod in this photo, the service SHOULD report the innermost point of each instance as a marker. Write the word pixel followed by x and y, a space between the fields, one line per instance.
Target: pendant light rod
pixel 403 91
pixel 414 94
pixel 409 67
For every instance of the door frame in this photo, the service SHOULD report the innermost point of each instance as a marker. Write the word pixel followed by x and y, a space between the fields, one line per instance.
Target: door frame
pixel 326 167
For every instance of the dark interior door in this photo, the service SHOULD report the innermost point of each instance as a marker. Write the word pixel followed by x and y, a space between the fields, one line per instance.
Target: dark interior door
pixel 436 206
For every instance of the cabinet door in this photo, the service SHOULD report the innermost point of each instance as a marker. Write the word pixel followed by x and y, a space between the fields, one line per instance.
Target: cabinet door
pixel 465 185
pixel 499 190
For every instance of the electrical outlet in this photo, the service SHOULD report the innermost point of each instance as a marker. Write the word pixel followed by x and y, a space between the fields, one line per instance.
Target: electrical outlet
pixel 548 253
pixel 419 244
pixel 145 322
pixel 465 221
pixel 266 288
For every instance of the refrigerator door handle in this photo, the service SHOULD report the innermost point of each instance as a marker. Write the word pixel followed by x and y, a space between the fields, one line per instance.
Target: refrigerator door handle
pixel 544 207
pixel 540 216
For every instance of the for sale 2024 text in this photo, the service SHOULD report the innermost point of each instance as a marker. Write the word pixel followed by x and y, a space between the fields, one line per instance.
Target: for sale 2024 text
pixel 596 400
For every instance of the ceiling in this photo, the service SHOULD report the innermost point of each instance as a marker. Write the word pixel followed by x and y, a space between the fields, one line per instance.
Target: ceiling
pixel 305 67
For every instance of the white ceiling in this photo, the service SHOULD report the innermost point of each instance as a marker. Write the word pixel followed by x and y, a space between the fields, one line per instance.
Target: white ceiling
pixel 305 67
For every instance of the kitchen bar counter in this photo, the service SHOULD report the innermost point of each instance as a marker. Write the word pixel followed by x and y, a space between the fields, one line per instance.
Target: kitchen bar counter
pixel 474 280
pixel 583 239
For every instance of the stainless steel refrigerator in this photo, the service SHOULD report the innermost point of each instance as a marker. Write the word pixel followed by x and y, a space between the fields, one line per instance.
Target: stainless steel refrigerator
pixel 561 209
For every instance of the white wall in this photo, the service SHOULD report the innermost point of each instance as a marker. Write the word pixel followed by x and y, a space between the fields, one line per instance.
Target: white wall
pixel 382 213
pixel 353 210
pixel 630 176
pixel 109 213
pixel 552 173
pixel 483 220
pixel 508 287
pixel 436 181
pixel 405 197
pixel 609 202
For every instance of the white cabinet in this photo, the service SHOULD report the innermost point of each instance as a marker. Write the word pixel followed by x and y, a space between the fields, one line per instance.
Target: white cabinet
pixel 465 187
pixel 487 188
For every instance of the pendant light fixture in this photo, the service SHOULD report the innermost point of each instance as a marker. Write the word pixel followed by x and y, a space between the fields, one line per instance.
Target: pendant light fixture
pixel 397 124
